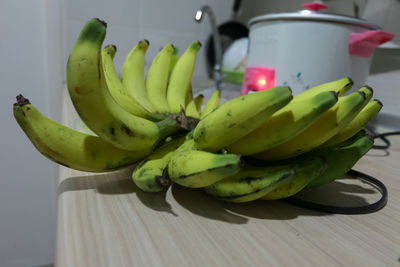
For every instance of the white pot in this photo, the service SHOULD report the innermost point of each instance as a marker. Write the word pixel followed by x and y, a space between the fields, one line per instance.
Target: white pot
pixel 306 48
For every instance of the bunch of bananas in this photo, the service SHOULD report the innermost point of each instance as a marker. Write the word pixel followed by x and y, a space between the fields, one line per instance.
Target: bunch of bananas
pixel 265 145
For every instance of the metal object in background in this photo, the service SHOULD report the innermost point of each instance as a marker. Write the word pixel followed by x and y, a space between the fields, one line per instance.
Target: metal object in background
pixel 216 42
pixel 228 32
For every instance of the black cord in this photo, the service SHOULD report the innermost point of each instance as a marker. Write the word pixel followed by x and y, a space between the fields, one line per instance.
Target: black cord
pixel 359 175
pixel 348 210
pixel 382 136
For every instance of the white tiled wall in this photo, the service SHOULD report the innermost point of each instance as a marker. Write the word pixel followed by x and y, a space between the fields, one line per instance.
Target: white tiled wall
pixel 160 22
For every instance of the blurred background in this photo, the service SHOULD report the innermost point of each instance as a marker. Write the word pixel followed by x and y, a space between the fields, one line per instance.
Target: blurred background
pixel 36 37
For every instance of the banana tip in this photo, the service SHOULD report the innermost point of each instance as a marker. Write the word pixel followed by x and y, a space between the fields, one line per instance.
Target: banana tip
pixel 350 81
pixel 21 101
pixel 380 102
pixel 102 22
pixel 362 94
pixel 336 94
pixel 369 88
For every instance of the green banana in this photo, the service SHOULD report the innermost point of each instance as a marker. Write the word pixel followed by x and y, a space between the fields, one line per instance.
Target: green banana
pixel 307 170
pixel 321 130
pixel 149 174
pixel 284 124
pixel 132 75
pixel 180 78
pixel 69 147
pixel 116 87
pixel 212 103
pixel 194 168
pixel 251 183
pixel 238 117
pixel 94 103
pixel 340 86
pixel 366 114
pixel 342 157
pixel 157 79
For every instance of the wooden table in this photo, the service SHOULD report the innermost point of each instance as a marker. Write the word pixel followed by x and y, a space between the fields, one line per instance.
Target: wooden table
pixel 105 220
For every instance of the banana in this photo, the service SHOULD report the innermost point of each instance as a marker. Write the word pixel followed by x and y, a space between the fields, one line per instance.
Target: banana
pixel 94 103
pixel 69 147
pixel 149 174
pixel 251 183
pixel 157 79
pixel 212 103
pixel 116 87
pixel 198 101
pixel 321 130
pixel 180 78
pixel 284 124
pixel 192 108
pixel 366 114
pixel 342 157
pixel 307 170
pixel 194 168
pixel 238 117
pixel 132 75
pixel 340 86
pixel 174 59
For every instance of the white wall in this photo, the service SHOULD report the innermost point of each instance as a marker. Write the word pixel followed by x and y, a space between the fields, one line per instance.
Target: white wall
pixel 160 22
pixel 27 184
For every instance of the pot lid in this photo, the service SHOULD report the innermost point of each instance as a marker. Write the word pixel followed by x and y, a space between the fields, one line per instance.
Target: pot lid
pixel 309 15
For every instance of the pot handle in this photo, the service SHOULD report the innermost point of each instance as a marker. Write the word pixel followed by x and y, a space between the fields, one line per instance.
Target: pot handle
pixel 363 44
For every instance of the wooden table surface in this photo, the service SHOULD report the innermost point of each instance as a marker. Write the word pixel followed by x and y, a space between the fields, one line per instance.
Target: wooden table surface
pixel 105 220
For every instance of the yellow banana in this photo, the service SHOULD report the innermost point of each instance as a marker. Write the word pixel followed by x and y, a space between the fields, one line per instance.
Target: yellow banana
pixel 238 117
pixel 157 79
pixel 191 109
pixel 149 175
pixel 194 168
pixel 116 87
pixel 321 130
pixel 69 147
pixel 198 101
pixel 180 78
pixel 174 59
pixel 94 103
pixel 340 86
pixel 284 124
pixel 212 103
pixel 132 75
pixel 366 114
pixel 251 183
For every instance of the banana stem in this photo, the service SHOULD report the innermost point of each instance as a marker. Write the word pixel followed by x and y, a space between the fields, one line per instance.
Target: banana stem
pixel 167 127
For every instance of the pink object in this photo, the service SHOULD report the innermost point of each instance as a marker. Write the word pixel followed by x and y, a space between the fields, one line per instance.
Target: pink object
pixel 314 6
pixel 363 44
pixel 258 78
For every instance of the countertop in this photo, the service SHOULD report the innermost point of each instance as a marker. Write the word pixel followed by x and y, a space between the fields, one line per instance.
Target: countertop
pixel 105 220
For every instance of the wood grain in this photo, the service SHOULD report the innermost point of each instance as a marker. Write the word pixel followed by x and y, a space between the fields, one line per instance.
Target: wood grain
pixel 105 220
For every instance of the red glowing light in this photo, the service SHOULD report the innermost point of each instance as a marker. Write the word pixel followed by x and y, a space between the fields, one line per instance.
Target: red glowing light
pixel 261 81
pixel 258 78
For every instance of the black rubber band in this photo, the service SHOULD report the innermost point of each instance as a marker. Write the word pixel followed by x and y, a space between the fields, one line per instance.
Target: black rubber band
pixel 348 210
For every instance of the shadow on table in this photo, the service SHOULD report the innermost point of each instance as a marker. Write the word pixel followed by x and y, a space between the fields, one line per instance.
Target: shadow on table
pixel 119 183
pixel 105 183
pixel 202 204
pixel 337 193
